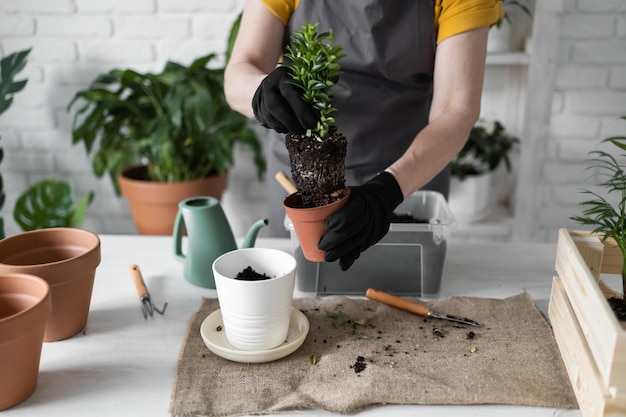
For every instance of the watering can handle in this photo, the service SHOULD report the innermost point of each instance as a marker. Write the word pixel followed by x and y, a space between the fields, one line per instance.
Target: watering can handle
pixel 179 224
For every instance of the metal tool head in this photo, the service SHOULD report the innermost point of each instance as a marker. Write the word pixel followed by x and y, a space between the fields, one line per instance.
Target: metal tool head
pixel 149 308
pixel 463 320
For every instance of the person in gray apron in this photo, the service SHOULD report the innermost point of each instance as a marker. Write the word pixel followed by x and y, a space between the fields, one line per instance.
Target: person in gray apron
pixel 404 102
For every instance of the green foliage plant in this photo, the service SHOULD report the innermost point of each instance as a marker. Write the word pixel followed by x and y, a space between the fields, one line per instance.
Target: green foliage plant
pixel 10 66
pixel 608 218
pixel 313 61
pixel 177 122
pixel 50 203
pixel 487 146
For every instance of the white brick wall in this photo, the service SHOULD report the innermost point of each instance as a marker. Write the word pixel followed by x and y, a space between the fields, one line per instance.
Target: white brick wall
pixel 588 101
pixel 75 40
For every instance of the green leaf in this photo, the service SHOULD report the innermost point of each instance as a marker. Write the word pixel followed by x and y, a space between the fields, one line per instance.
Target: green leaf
pixel 50 203
pixel 10 66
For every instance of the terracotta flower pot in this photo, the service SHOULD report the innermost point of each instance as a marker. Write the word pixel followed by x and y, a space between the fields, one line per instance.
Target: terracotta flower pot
pixel 310 223
pixel 67 259
pixel 24 307
pixel 154 205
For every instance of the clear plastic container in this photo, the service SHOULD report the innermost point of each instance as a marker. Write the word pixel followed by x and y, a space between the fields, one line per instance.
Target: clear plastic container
pixel 409 260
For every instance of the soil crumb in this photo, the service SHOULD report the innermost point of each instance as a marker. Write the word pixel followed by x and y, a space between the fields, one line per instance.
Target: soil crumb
pixel 359 365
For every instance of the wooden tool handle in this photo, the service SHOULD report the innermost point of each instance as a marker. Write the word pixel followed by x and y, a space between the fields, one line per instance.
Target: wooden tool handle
pixel 138 280
pixel 397 302
pixel 285 182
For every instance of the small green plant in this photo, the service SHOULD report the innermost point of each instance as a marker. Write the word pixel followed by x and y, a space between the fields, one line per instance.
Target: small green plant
pixel 313 61
pixel 318 157
pixel 10 66
pixel 50 203
pixel 608 218
pixel 486 148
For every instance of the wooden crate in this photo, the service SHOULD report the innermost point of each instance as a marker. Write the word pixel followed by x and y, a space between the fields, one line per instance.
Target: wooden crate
pixel 591 340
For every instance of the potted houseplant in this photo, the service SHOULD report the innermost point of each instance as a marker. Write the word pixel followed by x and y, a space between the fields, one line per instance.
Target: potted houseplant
pixel 588 315
pixel 10 66
pixel 487 147
pixel 501 35
pixel 317 157
pixel 168 129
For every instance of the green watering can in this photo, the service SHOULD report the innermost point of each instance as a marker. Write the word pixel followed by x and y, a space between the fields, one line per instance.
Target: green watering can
pixel 208 236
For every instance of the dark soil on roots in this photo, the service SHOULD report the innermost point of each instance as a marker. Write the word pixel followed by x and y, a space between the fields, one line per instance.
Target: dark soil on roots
pixel 318 167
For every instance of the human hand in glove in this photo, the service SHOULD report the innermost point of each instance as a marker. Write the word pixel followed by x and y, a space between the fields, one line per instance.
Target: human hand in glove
pixel 278 104
pixel 363 221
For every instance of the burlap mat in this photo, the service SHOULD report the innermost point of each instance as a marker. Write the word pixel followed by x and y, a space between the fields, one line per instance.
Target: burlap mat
pixel 512 358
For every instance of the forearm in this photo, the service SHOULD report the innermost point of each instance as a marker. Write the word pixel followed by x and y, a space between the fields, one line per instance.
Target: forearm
pixel 433 148
pixel 255 53
pixel 240 82
pixel 458 81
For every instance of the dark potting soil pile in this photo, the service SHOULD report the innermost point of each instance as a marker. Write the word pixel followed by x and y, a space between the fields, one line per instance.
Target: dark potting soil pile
pixel 619 307
pixel 250 274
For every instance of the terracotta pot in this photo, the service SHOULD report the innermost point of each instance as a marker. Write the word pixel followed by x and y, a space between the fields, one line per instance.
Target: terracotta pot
pixel 67 259
pixel 24 307
pixel 310 223
pixel 154 205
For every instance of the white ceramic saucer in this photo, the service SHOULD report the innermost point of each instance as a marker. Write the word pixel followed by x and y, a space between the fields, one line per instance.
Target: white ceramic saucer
pixel 214 336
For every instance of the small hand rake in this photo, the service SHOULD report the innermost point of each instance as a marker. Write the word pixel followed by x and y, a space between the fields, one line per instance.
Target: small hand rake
pixel 144 295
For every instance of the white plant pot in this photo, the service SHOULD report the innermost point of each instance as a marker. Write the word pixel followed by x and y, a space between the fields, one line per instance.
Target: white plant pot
pixel 471 199
pixel 500 38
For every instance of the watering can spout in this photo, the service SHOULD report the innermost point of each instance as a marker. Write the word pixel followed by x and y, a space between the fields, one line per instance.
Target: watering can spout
pixel 253 232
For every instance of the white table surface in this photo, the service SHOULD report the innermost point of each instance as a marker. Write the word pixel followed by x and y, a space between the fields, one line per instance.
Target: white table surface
pixel 124 365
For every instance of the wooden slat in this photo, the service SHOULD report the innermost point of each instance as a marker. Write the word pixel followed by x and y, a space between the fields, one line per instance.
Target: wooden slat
pixel 583 373
pixel 612 256
pixel 597 321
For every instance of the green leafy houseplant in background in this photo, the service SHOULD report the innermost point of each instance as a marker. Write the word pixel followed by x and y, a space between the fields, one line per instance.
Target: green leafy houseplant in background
pixel 177 122
pixel 487 147
pixel 317 157
pixel 50 203
pixel 10 66
pixel 609 218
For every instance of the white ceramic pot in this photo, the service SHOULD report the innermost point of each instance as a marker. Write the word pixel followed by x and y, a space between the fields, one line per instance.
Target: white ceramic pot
pixel 471 199
pixel 256 314
pixel 500 38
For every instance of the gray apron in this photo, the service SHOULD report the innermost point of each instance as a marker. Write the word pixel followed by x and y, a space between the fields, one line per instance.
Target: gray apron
pixel 384 93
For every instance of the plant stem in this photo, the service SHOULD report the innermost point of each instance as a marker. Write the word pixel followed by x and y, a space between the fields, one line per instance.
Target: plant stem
pixel 624 278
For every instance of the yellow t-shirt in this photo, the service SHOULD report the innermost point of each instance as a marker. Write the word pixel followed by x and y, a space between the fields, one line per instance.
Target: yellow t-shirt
pixel 451 16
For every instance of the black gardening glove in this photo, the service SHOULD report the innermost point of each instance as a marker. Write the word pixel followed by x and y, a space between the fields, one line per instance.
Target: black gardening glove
pixel 363 221
pixel 278 104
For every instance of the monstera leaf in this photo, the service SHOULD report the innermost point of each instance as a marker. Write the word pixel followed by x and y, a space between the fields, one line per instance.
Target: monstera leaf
pixel 50 203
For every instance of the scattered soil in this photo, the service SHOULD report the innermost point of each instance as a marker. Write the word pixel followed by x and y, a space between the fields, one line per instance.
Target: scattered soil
pixel 359 365
pixel 619 308
pixel 317 167
pixel 250 274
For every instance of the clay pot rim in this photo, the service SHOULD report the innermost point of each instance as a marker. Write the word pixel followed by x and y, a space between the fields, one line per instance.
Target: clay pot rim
pixel 243 282
pixel 93 245
pixel 35 312
pixel 288 201
pixel 127 176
